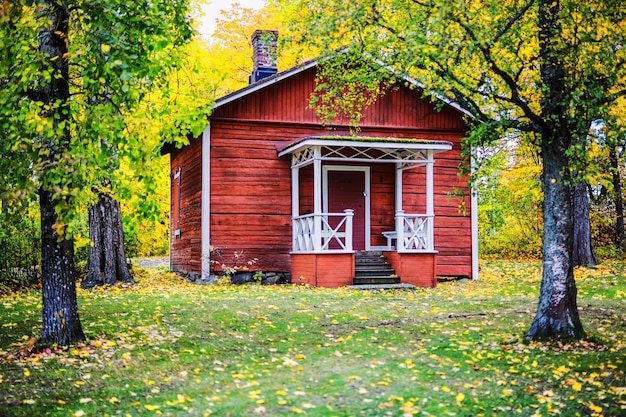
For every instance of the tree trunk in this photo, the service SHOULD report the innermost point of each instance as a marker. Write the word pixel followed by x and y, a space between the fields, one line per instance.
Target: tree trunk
pixel 582 252
pixel 60 322
pixel 557 312
pixel 107 257
pixel 617 197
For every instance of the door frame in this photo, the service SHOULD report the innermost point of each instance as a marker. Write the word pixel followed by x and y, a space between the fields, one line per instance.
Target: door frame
pixel 355 168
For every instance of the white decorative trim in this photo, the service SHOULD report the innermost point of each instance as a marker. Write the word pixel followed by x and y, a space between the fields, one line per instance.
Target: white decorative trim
pixel 369 151
pixel 474 222
pixel 206 203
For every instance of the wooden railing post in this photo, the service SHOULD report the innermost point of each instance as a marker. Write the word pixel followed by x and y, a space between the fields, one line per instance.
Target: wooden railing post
pixel 349 219
pixel 430 232
pixel 317 232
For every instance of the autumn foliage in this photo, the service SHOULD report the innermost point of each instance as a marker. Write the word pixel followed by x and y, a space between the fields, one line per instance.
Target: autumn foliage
pixel 162 346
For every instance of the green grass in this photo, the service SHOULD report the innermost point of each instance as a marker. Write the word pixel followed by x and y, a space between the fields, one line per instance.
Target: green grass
pixel 165 347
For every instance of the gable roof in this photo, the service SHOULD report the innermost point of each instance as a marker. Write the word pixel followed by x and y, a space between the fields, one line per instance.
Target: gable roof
pixel 275 78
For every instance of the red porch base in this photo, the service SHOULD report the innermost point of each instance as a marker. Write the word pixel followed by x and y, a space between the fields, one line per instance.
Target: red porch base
pixel 337 270
pixel 414 268
pixel 323 270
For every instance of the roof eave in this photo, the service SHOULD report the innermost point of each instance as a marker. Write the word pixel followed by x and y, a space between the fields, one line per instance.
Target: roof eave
pixel 435 146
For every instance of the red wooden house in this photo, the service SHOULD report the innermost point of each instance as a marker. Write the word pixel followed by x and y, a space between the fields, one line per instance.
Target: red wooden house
pixel 267 180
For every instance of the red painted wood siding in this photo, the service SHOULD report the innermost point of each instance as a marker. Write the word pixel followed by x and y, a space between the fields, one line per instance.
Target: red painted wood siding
pixel 251 187
pixel 288 101
pixel 415 268
pixel 186 249
pixel 327 270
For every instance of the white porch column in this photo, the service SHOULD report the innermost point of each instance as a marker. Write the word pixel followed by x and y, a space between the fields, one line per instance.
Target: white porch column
pixel 399 211
pixel 400 231
pixel 430 201
pixel 295 191
pixel 398 186
pixel 205 221
pixel 295 200
pixel 317 200
pixel 474 219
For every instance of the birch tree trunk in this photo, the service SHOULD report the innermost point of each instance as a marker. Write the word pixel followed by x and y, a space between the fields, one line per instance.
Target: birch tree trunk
pixel 107 257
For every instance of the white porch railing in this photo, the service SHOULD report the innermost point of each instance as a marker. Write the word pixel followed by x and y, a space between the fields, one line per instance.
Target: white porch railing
pixel 415 232
pixel 313 233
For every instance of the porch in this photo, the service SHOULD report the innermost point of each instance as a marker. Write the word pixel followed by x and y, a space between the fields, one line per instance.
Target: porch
pixel 334 206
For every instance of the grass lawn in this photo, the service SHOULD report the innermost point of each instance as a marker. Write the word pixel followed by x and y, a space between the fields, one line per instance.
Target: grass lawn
pixel 165 347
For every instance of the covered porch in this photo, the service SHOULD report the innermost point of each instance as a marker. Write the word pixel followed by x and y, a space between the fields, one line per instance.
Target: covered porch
pixel 355 193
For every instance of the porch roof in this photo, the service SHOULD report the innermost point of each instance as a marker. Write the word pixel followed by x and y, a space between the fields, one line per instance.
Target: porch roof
pixel 362 148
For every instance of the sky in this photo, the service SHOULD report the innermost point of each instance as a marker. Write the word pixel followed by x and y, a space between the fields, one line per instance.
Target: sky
pixel 212 11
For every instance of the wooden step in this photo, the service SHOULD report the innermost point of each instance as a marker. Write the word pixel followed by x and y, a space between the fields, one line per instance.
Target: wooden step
pixel 372 268
pixel 368 272
pixel 377 287
pixel 376 280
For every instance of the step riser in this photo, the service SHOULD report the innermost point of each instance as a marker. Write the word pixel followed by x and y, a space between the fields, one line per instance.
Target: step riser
pixel 372 268
pixel 388 273
pixel 377 280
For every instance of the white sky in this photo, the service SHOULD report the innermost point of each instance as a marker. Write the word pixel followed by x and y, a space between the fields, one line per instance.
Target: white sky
pixel 212 9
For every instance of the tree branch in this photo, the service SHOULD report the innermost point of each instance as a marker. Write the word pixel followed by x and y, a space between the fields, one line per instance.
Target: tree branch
pixel 512 21
pixel 515 97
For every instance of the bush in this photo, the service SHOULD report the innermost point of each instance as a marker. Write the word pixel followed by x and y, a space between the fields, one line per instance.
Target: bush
pixel 20 251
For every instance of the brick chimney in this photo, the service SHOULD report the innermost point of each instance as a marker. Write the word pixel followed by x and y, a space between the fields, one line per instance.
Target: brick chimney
pixel 263 54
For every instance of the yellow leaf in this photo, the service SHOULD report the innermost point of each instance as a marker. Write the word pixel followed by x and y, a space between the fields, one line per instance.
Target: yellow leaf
pixel 105 48
pixel 150 407
pixel 29 401
pixel 577 386
pixel 460 397
pixel 26 372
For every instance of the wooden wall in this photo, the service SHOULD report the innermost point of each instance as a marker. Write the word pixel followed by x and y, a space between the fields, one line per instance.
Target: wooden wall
pixel 326 270
pixel 251 187
pixel 186 248
pixel 288 101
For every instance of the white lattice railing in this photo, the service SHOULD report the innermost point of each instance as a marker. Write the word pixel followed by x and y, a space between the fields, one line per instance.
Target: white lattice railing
pixel 415 232
pixel 323 232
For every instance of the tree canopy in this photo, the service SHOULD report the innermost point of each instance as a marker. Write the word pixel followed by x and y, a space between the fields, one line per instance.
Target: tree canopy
pixel 76 73
pixel 548 68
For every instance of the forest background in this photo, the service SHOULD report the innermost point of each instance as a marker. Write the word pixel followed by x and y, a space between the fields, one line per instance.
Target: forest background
pixel 508 181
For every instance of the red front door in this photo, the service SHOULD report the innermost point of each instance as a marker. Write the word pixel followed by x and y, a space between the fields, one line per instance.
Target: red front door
pixel 347 190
